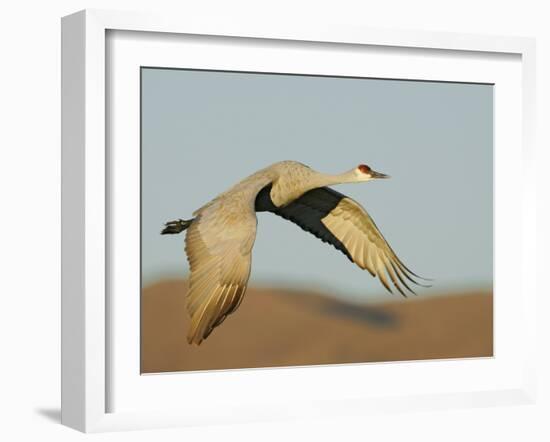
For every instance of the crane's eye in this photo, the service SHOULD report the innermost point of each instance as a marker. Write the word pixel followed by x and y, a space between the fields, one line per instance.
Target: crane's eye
pixel 364 168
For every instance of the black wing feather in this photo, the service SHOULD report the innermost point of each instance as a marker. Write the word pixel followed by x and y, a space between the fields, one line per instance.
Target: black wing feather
pixel 307 212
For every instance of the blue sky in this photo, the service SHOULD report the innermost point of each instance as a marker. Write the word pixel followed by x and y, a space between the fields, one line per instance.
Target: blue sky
pixel 204 131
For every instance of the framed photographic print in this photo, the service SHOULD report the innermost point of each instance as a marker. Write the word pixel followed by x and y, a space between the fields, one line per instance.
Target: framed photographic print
pixel 265 222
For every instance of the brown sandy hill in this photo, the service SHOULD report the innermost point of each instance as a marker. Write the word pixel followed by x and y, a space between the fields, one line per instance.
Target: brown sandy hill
pixel 275 327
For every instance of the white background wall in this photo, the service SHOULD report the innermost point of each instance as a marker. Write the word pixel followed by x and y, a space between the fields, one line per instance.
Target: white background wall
pixel 30 219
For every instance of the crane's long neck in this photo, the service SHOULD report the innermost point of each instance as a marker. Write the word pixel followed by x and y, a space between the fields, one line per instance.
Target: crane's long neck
pixel 323 179
pixel 288 187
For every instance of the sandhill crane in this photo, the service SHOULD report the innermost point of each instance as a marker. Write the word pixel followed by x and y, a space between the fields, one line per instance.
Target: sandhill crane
pixel 220 237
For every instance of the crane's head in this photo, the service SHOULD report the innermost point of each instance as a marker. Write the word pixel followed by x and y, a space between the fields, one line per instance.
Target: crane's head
pixel 365 173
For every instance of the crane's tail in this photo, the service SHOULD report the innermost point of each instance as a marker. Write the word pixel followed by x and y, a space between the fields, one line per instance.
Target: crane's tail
pixel 178 226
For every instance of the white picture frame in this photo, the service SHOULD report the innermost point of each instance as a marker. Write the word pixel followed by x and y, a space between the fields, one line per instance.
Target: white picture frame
pixel 87 322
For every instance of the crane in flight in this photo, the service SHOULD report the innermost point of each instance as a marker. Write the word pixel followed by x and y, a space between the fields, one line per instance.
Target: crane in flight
pixel 221 234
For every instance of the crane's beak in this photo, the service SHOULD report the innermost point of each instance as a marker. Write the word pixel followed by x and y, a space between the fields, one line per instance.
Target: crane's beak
pixel 375 174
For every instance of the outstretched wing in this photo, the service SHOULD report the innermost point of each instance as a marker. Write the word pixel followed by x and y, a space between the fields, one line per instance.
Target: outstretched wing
pixel 353 226
pixel 218 246
pixel 342 222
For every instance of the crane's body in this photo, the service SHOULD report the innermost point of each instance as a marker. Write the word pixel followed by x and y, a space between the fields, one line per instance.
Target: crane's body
pixel 221 235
